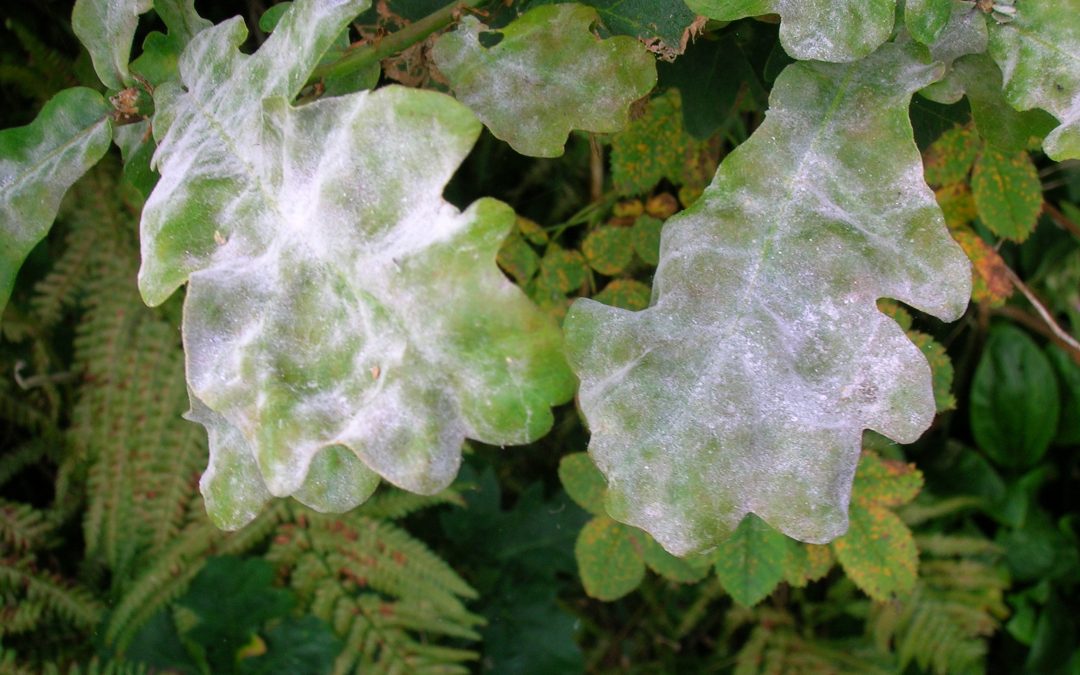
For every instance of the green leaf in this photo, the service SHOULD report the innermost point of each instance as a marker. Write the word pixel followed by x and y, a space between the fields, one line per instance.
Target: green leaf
pixel 750 563
pixel 746 385
pixel 608 561
pixel 626 294
pixel 517 258
pixel 822 30
pixel 564 270
pixel 926 19
pixel 608 249
pixel 1014 399
pixel 583 482
pixel 806 562
pixel 1007 192
pixel 1039 55
pixel 655 146
pixel 997 121
pixel 106 28
pixel 320 316
pixel 1069 375
pixel 948 160
pixel 660 24
pixel 941 369
pixel 646 233
pixel 878 552
pixel 38 163
pixel 680 570
pixel 547 75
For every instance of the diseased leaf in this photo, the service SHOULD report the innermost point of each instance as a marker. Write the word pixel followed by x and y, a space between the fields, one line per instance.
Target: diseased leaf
pixel 926 19
pixel 38 163
pixel 1007 193
pixel 806 562
pixel 997 121
pixel 746 386
pixel 608 249
pixel 990 281
pixel 518 258
pixel 583 482
pixel 750 563
pixel 957 204
pixel 948 160
pixel 1014 399
pixel 106 28
pixel 609 564
pixel 625 293
pixel 1039 55
pixel 546 76
pixel 564 270
pixel 655 147
pixel 647 238
pixel 878 553
pixel 342 321
pixel 940 367
pixel 823 30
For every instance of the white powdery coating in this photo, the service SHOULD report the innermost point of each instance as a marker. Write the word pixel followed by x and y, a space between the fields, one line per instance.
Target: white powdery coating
pixel 748 383
pixel 547 76
pixel 964 34
pixel 1039 56
pixel 106 28
pixel 824 30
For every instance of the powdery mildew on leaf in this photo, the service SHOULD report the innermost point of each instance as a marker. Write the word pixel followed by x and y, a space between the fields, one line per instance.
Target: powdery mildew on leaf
pixel 342 321
pixel 106 28
pixel 746 386
pixel 825 30
pixel 1039 55
pixel 549 74
pixel 38 163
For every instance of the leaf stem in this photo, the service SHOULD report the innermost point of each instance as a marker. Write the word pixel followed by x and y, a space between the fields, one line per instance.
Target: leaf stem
pixel 367 54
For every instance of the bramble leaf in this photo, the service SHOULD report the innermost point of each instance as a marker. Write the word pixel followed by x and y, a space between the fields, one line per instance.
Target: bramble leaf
pixel 746 386
pixel 625 293
pixel 823 30
pixel 1039 55
pixel 1007 193
pixel 38 163
pixel 546 76
pixel 655 146
pixel 608 249
pixel 750 563
pixel 878 553
pixel 106 28
pixel 583 482
pixel 948 160
pixel 608 561
pixel 342 321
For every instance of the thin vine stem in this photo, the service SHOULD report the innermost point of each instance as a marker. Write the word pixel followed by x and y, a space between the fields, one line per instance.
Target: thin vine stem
pixel 368 54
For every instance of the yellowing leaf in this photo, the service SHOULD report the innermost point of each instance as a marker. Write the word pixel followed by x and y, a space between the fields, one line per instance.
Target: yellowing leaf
pixel 878 553
pixel 745 387
pixel 547 75
pixel 608 249
pixel 948 160
pixel 990 280
pixel 940 367
pixel 655 146
pixel 609 564
pixel 342 322
pixel 625 293
pixel 1007 193
pixel 563 269
pixel 583 482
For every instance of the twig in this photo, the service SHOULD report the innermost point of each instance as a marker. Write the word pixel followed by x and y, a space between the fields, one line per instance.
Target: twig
pixel 1061 219
pixel 1048 326
pixel 364 55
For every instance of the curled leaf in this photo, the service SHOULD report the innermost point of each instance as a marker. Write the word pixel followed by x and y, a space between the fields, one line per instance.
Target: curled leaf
pixel 746 386
pixel 547 75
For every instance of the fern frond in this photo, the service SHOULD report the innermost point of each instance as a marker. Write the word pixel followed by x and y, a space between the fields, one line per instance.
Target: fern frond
pixel 97 667
pixel 957 604
pixel 166 577
pixel 391 503
pixel 775 647
pixel 384 593
pixel 59 288
pixel 12 462
pixel 51 68
pixel 22 527
pixel 21 582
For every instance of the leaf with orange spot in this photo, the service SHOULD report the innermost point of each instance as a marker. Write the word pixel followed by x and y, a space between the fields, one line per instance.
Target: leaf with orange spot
pixel 957 204
pixel 878 552
pixel 990 277
pixel 1007 192
pixel 948 159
